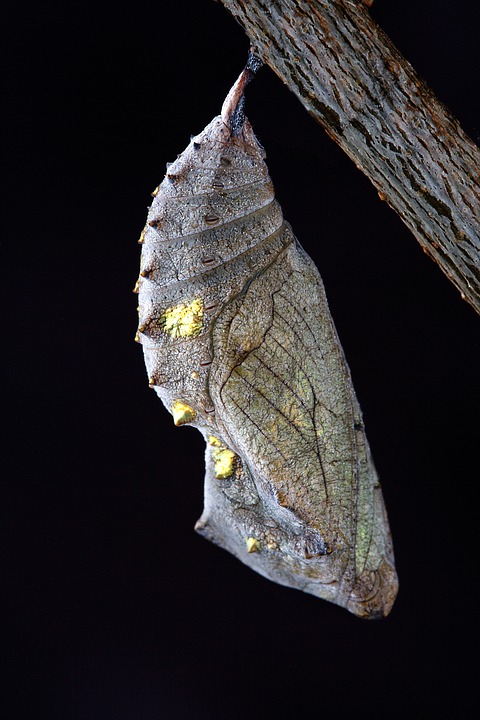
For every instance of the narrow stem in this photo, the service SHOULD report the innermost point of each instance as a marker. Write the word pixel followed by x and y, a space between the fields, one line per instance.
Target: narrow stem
pixel 233 113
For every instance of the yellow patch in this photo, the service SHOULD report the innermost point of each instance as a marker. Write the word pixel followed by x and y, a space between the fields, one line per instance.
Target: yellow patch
pixel 182 413
pixel 212 440
pixel 253 545
pixel 183 320
pixel 224 462
pixel 223 458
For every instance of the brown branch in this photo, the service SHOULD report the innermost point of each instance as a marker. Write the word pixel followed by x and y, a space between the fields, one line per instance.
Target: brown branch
pixel 353 80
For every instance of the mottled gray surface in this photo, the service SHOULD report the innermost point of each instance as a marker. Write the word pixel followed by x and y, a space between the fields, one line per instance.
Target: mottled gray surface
pixel 262 370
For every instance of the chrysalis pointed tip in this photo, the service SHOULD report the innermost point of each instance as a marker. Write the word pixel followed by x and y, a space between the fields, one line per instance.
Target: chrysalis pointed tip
pixel 200 525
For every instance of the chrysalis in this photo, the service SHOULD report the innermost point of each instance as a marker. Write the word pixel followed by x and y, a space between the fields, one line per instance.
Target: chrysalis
pixel 239 343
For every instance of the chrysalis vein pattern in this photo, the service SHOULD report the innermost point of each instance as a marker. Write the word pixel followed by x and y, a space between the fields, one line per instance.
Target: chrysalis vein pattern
pixel 239 342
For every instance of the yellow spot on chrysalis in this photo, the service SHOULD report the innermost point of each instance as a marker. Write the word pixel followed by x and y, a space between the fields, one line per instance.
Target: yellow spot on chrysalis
pixel 223 458
pixel 182 413
pixel 223 462
pixel 253 545
pixel 136 289
pixel 137 337
pixel 142 237
pixel 183 320
pixel 195 375
pixel 212 440
pixel 155 192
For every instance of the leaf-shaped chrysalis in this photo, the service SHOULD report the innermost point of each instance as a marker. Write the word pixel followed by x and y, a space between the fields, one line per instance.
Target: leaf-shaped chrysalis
pixel 239 342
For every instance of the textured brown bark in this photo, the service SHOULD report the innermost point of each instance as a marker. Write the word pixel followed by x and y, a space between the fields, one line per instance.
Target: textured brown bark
pixel 357 85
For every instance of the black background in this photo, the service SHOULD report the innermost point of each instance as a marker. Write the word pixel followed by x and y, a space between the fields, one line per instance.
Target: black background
pixel 112 607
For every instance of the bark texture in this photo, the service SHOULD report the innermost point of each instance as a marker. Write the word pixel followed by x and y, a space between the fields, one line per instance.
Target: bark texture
pixel 357 85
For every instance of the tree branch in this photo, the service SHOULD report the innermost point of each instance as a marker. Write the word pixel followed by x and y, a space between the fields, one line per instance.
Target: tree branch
pixel 357 85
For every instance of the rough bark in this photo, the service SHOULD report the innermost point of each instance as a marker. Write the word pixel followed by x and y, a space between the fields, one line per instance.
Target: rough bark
pixel 357 85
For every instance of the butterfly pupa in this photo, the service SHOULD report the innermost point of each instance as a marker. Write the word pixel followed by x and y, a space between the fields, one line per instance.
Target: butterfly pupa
pixel 239 342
